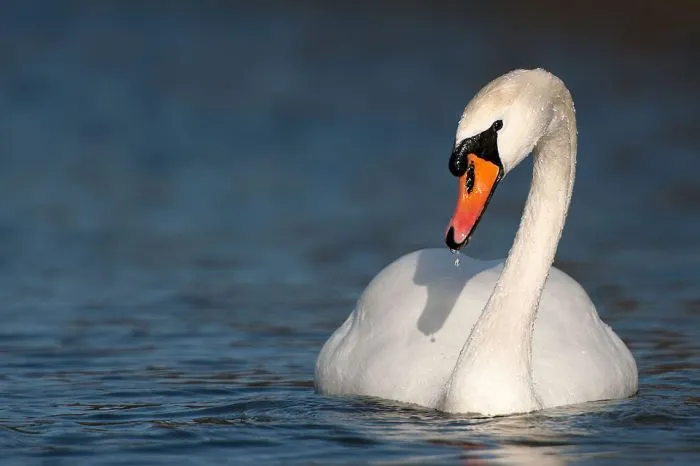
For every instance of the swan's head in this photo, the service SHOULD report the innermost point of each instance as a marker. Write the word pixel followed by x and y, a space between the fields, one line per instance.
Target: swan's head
pixel 498 129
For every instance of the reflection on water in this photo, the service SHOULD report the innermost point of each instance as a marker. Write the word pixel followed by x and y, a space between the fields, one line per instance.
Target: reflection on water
pixel 193 198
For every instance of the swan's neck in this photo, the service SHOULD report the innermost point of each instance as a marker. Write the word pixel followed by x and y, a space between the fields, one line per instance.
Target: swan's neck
pixel 493 374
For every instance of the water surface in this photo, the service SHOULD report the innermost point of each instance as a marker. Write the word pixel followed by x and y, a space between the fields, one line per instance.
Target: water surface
pixel 193 198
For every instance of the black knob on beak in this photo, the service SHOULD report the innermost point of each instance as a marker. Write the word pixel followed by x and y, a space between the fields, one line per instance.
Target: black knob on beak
pixel 458 162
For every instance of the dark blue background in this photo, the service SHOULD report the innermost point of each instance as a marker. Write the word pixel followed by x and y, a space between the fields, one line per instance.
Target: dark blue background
pixel 193 195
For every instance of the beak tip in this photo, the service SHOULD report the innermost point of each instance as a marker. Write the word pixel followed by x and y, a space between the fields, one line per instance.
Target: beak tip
pixel 450 240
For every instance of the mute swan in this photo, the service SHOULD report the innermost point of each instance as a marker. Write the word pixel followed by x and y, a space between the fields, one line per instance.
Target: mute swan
pixel 488 338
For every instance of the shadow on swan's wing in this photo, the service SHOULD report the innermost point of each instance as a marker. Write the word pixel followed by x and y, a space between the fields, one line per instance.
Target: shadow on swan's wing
pixel 444 282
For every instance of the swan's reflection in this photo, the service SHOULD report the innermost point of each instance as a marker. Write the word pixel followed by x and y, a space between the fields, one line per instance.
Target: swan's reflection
pixel 541 438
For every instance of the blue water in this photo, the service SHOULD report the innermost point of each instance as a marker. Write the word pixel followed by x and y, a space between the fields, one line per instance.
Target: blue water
pixel 191 200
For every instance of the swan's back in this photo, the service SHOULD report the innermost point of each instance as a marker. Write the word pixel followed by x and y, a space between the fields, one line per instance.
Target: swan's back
pixel 410 324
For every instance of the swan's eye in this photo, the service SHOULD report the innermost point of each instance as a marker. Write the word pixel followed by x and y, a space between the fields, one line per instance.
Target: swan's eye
pixel 497 125
pixel 470 178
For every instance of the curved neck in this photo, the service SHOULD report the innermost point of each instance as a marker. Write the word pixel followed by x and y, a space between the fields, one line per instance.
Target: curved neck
pixel 498 350
pixel 517 293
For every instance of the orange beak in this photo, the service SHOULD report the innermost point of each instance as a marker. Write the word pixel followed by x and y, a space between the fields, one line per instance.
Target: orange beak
pixel 476 186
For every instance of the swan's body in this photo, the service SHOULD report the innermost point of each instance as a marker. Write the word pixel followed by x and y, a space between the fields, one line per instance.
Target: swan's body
pixel 403 340
pixel 488 338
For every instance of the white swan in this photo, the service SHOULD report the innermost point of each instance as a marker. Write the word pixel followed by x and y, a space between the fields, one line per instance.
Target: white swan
pixel 489 338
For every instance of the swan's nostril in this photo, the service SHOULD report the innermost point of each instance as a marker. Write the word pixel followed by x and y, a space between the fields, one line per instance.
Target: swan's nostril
pixel 450 240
